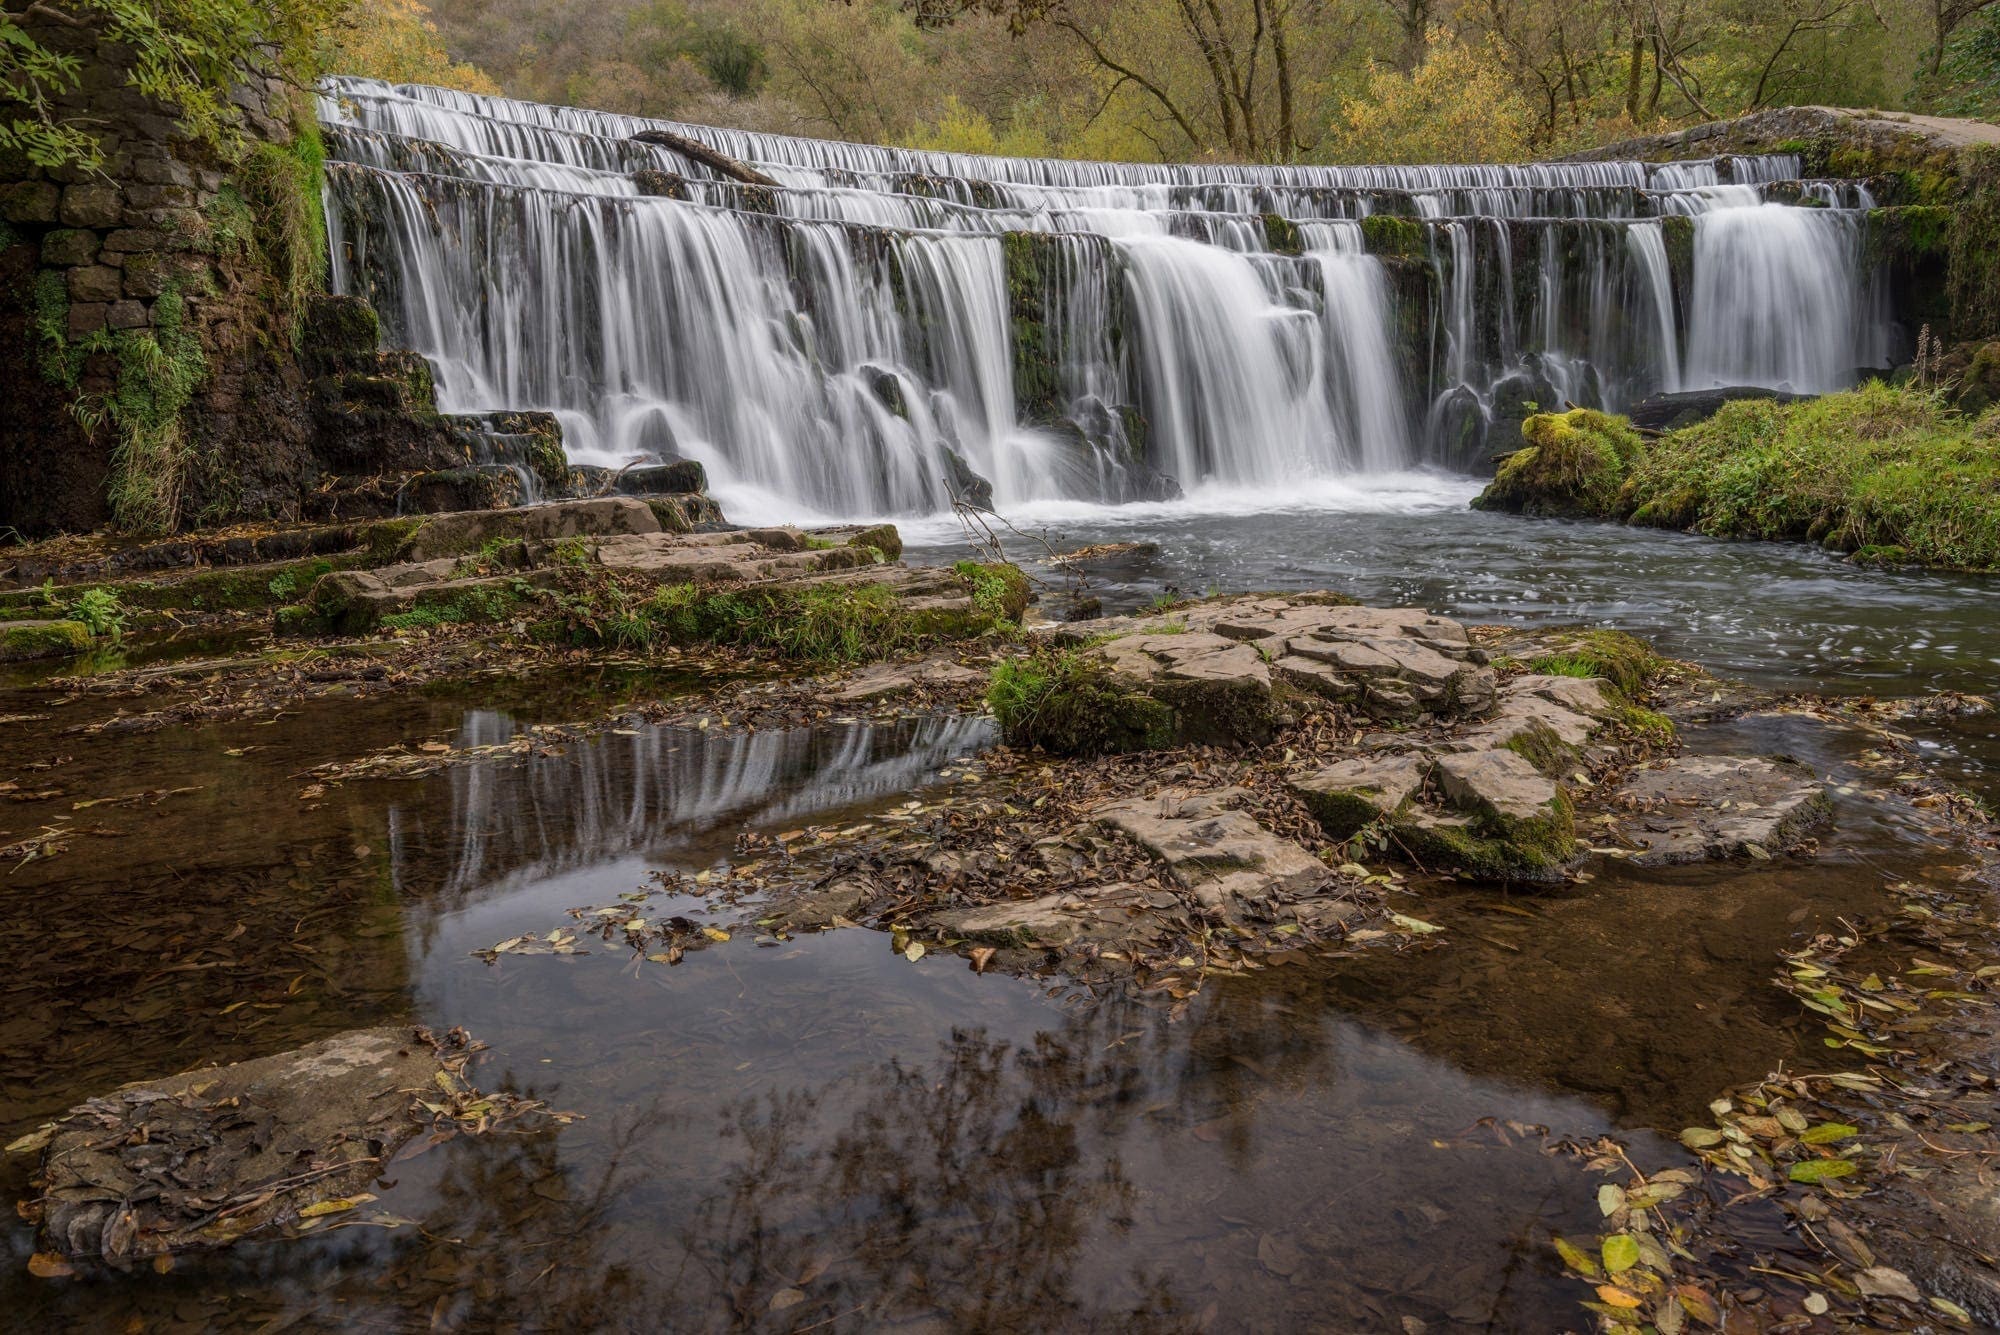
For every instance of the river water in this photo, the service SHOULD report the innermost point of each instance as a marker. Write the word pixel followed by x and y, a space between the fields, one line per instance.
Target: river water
pixel 821 1134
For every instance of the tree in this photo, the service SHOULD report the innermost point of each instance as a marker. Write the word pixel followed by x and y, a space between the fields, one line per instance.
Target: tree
pixel 1457 106
pixel 396 40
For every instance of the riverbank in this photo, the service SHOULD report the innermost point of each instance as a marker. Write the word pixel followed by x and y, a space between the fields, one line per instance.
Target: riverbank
pixel 1888 476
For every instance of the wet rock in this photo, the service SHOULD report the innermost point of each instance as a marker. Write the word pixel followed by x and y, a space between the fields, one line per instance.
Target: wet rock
pixel 459 534
pixel 1512 822
pixel 1221 855
pixel 201 1159
pixel 826 906
pixel 1350 794
pixel 1703 808
pixel 666 479
pixel 1108 915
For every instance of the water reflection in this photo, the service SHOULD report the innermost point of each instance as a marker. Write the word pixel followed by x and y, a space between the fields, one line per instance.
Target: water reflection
pixel 844 1138
pixel 650 789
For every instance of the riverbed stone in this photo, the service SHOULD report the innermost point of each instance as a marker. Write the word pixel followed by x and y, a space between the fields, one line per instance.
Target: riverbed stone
pixel 458 534
pixel 1220 854
pixel 1511 822
pixel 201 1159
pixel 1236 670
pixel 1351 794
pixel 1708 808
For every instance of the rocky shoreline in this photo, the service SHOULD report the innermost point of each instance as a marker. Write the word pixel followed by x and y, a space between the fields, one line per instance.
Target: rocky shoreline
pixel 1204 790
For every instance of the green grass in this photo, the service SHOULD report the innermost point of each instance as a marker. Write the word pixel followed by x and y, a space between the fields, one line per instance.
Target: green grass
pixel 1628 663
pixel 1878 467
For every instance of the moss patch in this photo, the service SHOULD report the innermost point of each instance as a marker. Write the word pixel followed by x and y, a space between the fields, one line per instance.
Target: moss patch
pixel 1068 702
pixel 1875 467
pixel 43 639
pixel 1572 465
pixel 1627 662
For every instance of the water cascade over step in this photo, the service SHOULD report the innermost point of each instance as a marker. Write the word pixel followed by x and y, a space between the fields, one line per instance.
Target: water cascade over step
pixel 887 329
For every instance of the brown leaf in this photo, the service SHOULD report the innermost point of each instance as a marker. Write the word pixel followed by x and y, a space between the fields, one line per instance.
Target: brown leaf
pixel 47 1265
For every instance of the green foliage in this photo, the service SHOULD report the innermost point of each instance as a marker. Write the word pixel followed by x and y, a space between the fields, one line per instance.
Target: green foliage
pixel 158 372
pixel 1875 467
pixel 99 611
pixel 184 53
pixel 999 592
pixel 1628 663
pixel 281 195
pixel 1572 465
pixel 1067 702
pixel 289 583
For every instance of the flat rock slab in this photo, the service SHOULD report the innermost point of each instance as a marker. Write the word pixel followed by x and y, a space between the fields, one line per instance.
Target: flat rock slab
pixel 1221 855
pixel 1705 808
pixel 1395 664
pixel 1349 794
pixel 200 1159
pixel 1117 914
pixel 1500 785
pixel 881 681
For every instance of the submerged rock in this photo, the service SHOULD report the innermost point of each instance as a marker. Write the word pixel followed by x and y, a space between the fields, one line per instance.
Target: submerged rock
pixel 1703 808
pixel 42 639
pixel 201 1159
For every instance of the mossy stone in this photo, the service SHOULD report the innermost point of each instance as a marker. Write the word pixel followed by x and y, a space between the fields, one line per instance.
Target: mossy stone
pixel 42 639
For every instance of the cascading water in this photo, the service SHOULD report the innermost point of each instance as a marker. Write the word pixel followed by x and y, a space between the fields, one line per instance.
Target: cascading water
pixel 889 328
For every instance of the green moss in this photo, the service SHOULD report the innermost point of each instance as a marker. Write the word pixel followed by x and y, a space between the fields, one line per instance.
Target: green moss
pixel 1488 849
pixel 1541 747
pixel 882 539
pixel 1572 465
pixel 43 639
pixel 387 540
pixel 1628 663
pixel 1029 257
pixel 999 591
pixel 1654 728
pixel 1401 238
pixel 1973 267
pixel 1068 702
pixel 1281 234
pixel 1873 467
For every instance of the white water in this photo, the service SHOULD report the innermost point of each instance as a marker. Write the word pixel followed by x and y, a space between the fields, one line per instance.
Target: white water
pixel 851 344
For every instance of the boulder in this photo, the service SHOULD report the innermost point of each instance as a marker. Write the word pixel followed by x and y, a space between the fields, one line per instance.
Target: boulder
pixel 1703 808
pixel 459 534
pixel 675 478
pixel 1350 794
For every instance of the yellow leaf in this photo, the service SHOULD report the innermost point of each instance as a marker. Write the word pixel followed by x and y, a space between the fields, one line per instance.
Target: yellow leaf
pixel 334 1206
pixel 1616 1296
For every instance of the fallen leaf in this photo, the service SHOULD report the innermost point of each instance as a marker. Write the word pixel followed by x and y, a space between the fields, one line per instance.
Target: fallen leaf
pixel 784 1298
pixel 1616 1296
pixel 334 1206
pixel 1621 1253
pixel 1812 1171
pixel 1883 1282
pixel 47 1265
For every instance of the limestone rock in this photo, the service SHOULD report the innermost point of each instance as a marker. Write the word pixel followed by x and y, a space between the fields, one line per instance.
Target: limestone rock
pixel 200 1159
pixel 1221 855
pixel 1514 824
pixel 879 681
pixel 1233 668
pixel 42 639
pixel 1349 794
pixel 1699 808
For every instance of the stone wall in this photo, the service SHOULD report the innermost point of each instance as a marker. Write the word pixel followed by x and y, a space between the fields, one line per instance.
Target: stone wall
pixel 172 359
pixel 103 271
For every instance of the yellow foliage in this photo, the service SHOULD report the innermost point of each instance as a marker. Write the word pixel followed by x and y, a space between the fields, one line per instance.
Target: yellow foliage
pixel 394 40
pixel 963 129
pixel 1457 106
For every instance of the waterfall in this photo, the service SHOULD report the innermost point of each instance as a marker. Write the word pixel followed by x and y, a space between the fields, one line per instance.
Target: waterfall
pixel 888 328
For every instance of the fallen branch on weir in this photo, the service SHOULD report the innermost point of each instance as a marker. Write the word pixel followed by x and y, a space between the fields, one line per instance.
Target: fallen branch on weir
pixel 708 157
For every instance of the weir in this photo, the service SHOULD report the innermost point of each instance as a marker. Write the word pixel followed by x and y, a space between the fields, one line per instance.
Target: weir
pixel 888 329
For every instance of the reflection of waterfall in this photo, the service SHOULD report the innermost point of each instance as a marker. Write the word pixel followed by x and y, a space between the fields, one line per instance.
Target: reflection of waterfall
pixel 888 323
pixel 613 794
